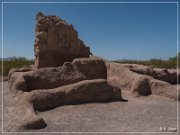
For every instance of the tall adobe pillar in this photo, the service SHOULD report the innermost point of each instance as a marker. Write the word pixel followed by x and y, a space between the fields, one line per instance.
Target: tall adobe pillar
pixel 56 42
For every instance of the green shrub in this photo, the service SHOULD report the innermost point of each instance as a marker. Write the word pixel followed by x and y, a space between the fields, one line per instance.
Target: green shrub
pixel 7 65
pixel 171 63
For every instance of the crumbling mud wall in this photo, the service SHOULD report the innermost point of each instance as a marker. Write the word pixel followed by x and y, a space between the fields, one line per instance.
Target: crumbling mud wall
pixel 56 42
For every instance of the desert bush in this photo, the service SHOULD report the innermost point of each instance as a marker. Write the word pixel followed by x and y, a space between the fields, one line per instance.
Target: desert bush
pixel 171 63
pixel 8 64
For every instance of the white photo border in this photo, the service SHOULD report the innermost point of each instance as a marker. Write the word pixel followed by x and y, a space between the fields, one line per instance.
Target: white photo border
pixel 6 2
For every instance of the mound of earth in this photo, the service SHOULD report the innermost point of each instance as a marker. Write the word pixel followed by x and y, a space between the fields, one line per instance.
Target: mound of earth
pixel 136 78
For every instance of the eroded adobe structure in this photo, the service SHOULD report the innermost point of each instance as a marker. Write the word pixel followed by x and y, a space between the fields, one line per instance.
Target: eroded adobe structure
pixel 56 42
pixel 67 78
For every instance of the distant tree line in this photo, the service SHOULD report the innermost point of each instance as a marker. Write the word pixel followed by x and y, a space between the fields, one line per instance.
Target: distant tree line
pixel 14 62
pixel 14 58
pixel 172 62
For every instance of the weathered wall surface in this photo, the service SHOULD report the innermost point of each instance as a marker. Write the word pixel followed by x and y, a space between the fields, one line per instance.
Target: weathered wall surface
pixel 56 42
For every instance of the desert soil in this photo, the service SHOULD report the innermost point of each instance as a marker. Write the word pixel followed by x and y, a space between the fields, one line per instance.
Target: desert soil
pixel 138 114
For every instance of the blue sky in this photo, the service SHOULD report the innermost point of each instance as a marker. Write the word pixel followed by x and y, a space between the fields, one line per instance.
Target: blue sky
pixel 112 31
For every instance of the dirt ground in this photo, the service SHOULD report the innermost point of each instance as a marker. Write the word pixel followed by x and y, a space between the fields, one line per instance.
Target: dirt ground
pixel 138 114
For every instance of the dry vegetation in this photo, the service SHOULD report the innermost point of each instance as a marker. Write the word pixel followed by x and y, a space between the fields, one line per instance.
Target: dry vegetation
pixel 12 63
pixel 158 63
